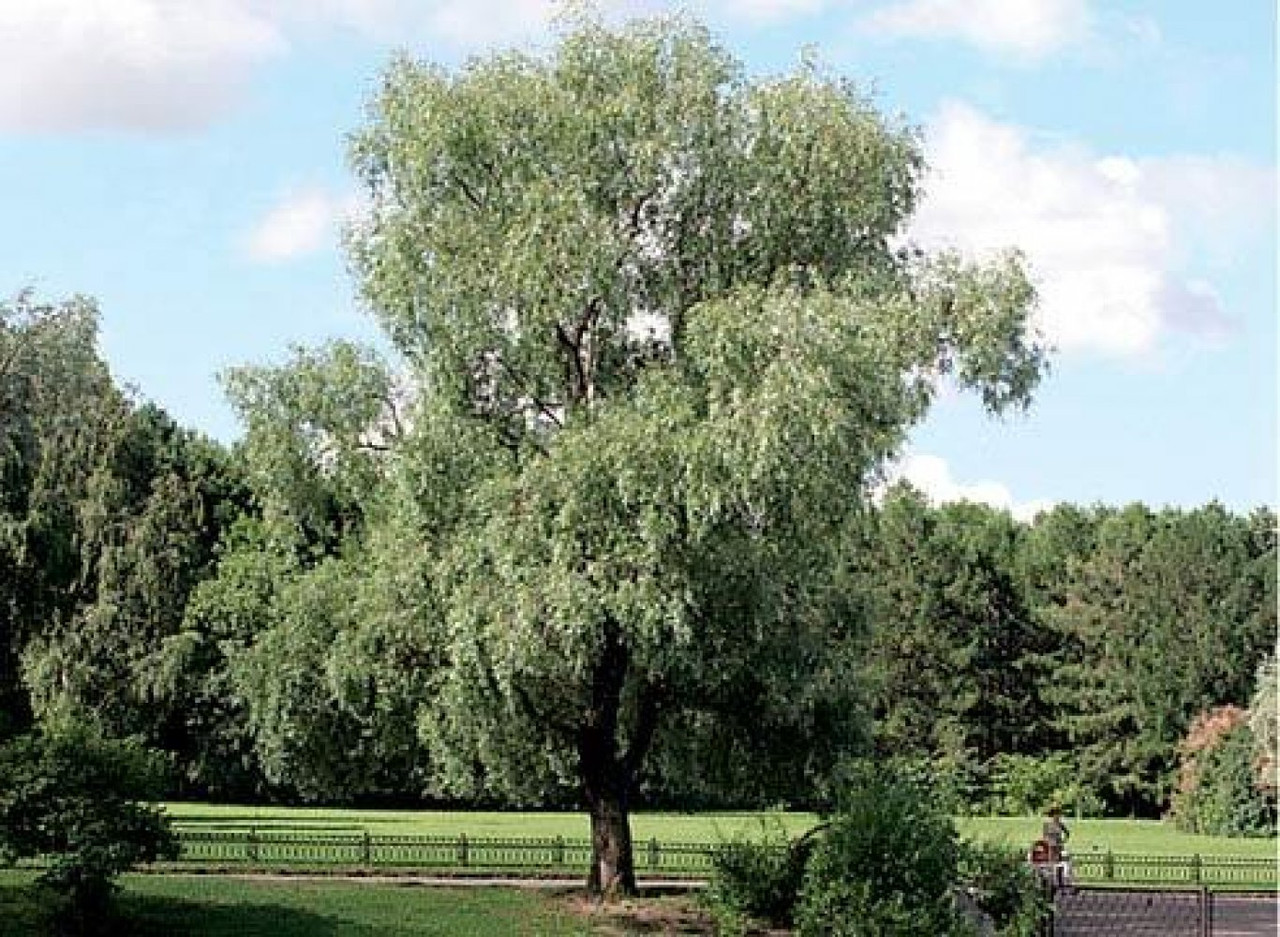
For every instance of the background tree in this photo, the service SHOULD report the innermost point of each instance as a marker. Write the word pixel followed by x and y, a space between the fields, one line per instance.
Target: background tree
pixel 662 343
pixel 284 660
pixel 1168 616
pixel 60 419
pixel 954 656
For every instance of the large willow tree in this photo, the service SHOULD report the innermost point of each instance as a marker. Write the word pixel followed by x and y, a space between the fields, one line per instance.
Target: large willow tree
pixel 664 336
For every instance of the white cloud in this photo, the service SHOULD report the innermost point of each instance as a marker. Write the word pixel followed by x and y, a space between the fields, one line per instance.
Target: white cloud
pixel 303 221
pixel 770 11
pixel 472 23
pixel 1025 29
pixel 931 475
pixel 1103 236
pixel 126 64
pixel 171 65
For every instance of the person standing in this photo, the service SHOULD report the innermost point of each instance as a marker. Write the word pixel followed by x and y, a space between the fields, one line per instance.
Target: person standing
pixel 1055 833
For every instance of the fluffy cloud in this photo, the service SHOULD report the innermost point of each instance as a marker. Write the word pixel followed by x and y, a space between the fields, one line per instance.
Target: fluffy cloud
pixel 303 221
pixel 1104 236
pixel 171 65
pixel 932 476
pixel 1027 30
pixel 129 64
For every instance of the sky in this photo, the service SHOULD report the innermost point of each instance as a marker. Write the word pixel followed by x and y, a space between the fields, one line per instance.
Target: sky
pixel 184 163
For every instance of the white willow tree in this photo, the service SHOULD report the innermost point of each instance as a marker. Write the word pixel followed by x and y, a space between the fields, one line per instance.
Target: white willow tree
pixel 664 343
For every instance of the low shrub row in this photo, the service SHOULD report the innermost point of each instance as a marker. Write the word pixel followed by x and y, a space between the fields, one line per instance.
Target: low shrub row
pixel 888 862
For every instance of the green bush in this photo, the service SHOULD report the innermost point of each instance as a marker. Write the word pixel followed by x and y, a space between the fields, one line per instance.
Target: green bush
pixel 757 879
pixel 1005 887
pixel 1029 784
pixel 884 866
pixel 1222 797
pixel 76 799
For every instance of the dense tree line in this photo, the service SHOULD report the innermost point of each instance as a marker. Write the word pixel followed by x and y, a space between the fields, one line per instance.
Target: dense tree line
pixel 1089 639
pixel 264 615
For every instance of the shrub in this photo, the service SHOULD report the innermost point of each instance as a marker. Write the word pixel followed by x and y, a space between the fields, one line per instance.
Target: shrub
pixel 1028 784
pixel 884 866
pixel 1005 887
pixel 73 797
pixel 757 878
pixel 1218 786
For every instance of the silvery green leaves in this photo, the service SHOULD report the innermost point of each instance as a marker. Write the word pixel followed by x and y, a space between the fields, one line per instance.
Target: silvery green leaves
pixel 664 336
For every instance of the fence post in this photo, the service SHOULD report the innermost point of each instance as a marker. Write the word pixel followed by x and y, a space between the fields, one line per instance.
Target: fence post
pixel 462 849
pixel 653 853
pixel 559 850
pixel 253 844
pixel 366 849
pixel 1109 866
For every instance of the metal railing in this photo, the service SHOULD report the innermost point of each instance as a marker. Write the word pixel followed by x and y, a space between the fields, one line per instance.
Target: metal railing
pixel 1223 872
pixel 360 850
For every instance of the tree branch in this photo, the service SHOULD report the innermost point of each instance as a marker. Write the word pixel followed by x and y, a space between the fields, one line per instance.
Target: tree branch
pixel 523 381
pixel 652 697
pixel 565 730
pixel 469 193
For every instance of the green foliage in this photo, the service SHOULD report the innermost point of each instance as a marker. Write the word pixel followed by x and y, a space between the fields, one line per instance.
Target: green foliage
pixel 885 864
pixel 1030 784
pixel 661 343
pixel 1004 886
pixel 758 878
pixel 1220 794
pixel 956 660
pixel 79 801
pixel 1264 722
pixel 1168 615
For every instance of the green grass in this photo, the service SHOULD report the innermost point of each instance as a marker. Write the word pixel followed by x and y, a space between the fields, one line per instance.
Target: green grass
pixel 1148 837
pixel 156 906
pixel 1143 837
pixel 665 827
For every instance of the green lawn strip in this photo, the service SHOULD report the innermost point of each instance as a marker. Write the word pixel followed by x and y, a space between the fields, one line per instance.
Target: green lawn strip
pixel 208 906
pixel 664 827
pixel 1133 837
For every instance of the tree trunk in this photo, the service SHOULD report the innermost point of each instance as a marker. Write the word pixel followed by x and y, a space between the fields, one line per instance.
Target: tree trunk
pixel 607 774
pixel 612 872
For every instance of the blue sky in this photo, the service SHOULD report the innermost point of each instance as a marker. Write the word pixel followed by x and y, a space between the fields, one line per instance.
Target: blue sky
pixel 183 162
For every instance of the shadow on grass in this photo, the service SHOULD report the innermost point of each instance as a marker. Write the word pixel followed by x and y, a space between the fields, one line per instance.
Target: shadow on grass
pixel 25 912
pixel 149 916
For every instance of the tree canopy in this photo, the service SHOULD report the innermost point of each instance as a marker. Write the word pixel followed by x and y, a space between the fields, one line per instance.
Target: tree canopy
pixel 663 340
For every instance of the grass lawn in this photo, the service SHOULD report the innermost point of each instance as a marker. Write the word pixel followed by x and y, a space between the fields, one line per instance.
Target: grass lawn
pixel 195 906
pixel 1148 837
pixel 665 827
pixel 1143 837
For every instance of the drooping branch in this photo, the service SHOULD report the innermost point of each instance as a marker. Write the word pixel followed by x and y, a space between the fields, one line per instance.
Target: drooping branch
pixel 560 727
pixel 652 697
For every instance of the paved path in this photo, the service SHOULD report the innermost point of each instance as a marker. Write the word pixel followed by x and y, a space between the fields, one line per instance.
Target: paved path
pixel 1086 913
pixel 444 881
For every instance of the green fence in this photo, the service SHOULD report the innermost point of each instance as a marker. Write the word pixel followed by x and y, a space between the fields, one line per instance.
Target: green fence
pixel 358 850
pixel 1219 872
pixel 290 850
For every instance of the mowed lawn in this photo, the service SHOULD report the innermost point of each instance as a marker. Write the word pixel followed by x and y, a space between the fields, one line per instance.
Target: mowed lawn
pixel 1146 837
pixel 664 827
pixel 209 906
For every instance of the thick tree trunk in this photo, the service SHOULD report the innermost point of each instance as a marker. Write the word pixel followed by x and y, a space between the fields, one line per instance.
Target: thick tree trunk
pixel 613 872
pixel 608 774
